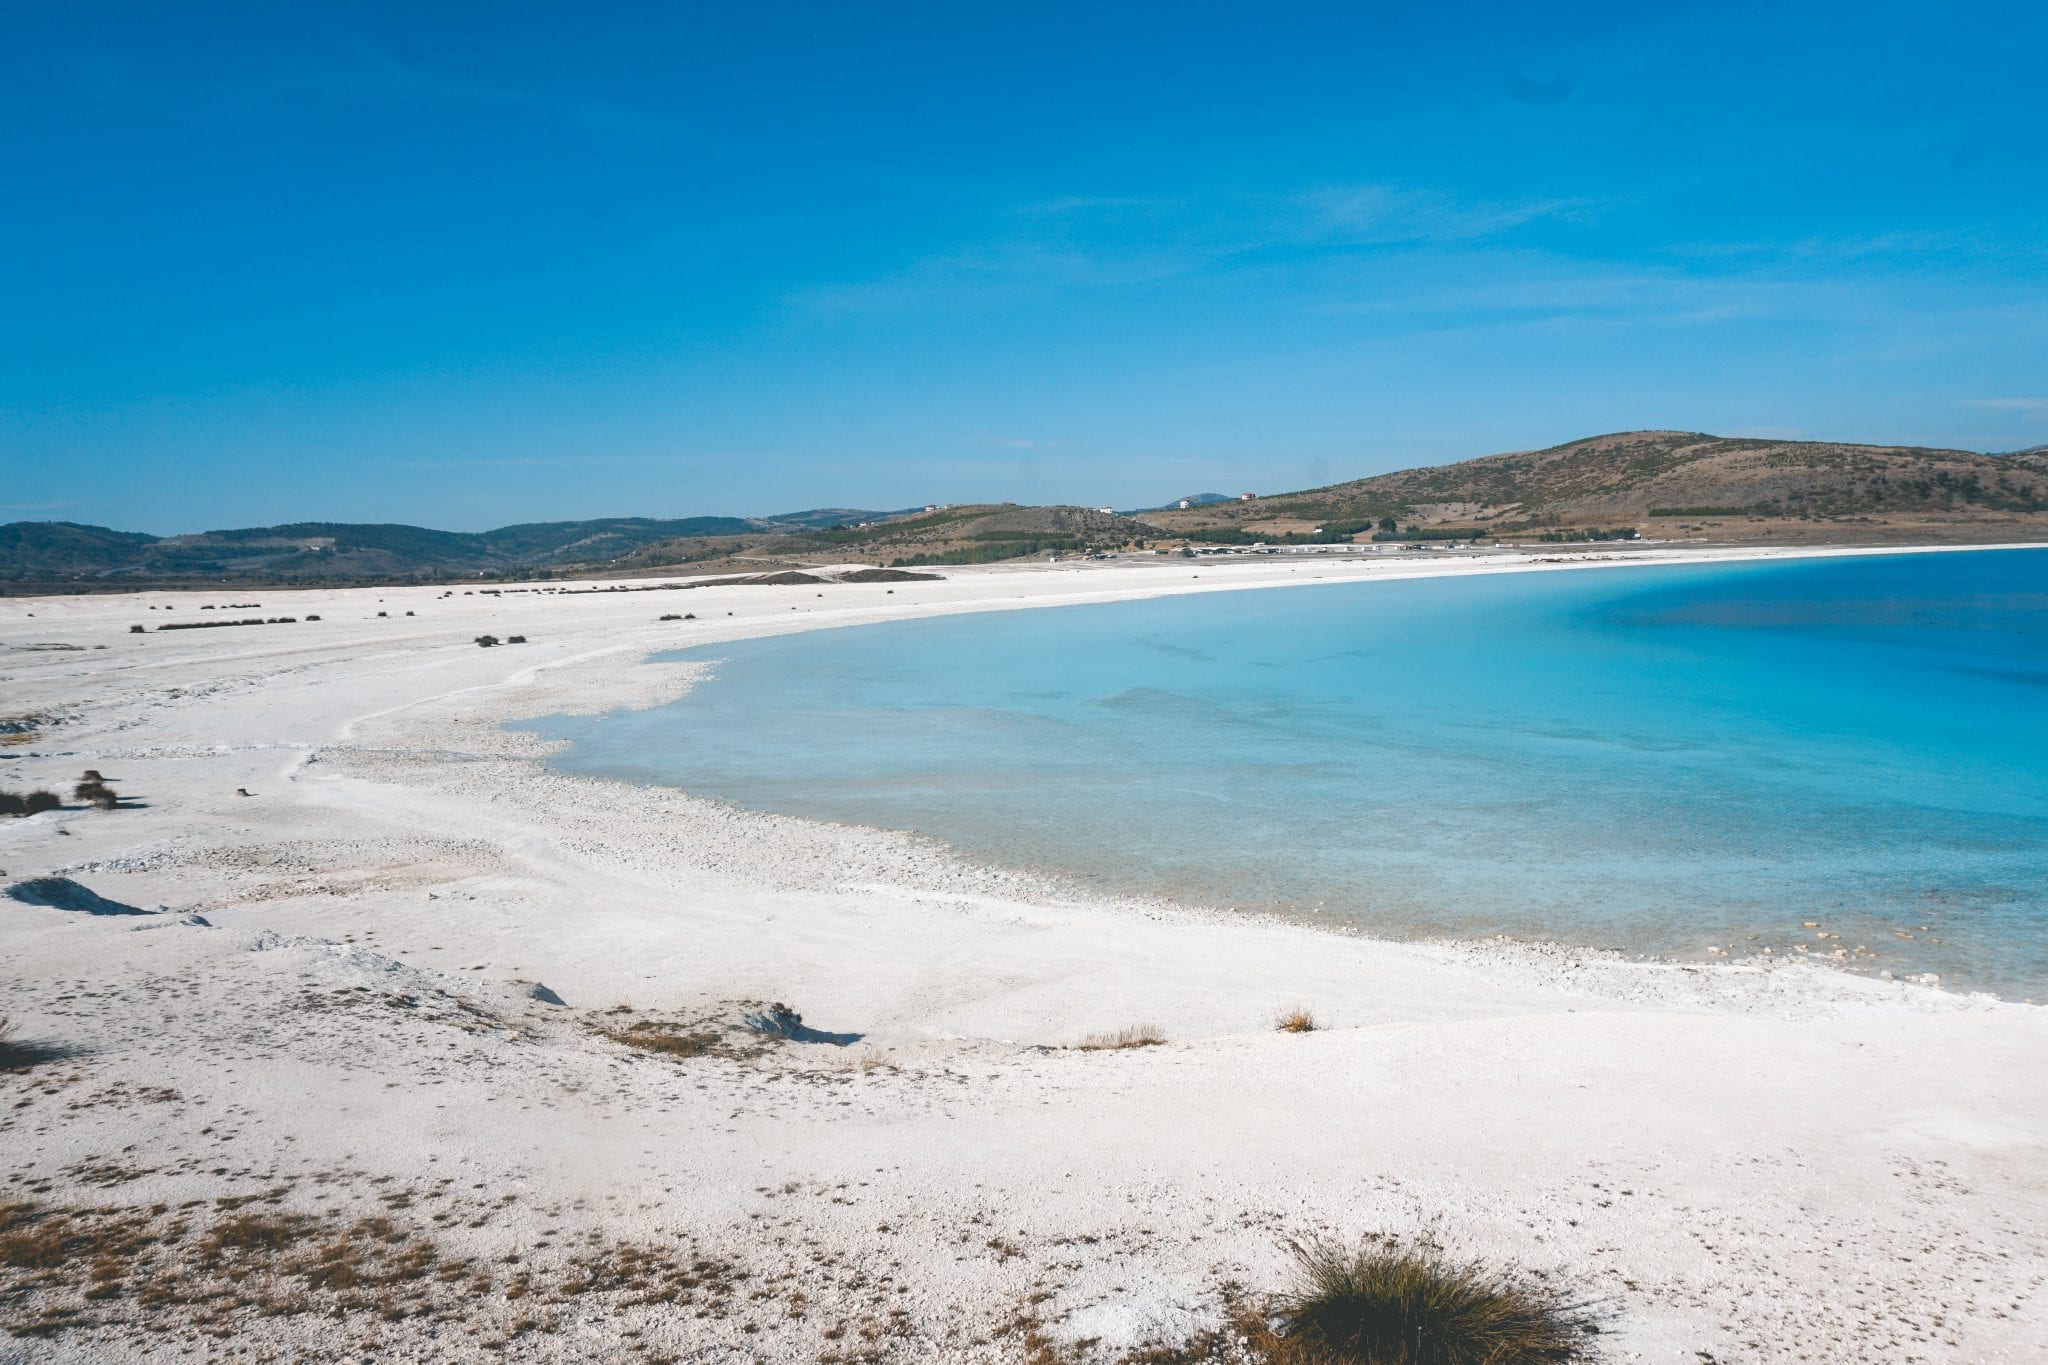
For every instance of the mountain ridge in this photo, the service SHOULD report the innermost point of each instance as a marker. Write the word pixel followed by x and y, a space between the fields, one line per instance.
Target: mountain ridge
pixel 1663 483
pixel 1631 477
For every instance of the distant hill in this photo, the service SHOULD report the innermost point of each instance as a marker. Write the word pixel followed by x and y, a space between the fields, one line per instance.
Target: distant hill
pixel 974 534
pixel 819 518
pixel 64 547
pixel 1669 484
pixel 1191 500
pixel 1666 476
pixel 318 551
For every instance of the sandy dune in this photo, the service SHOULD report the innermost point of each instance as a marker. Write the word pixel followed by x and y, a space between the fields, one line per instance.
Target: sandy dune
pixel 323 1102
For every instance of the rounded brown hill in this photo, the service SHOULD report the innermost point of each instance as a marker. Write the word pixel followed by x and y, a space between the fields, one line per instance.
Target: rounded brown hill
pixel 1667 480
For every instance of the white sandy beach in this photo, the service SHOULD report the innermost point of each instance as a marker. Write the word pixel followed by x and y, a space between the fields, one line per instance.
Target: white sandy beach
pixel 1734 1163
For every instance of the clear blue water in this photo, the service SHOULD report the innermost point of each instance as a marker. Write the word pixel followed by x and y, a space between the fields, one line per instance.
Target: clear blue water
pixel 1653 758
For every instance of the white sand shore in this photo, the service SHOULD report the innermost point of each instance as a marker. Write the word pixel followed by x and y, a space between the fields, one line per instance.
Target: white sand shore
pixel 1736 1163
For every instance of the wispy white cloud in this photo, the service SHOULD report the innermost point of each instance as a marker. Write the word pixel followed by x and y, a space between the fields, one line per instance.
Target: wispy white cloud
pixel 551 462
pixel 1392 215
pixel 1841 247
pixel 1111 242
pixel 1003 272
pixel 378 76
pixel 1090 203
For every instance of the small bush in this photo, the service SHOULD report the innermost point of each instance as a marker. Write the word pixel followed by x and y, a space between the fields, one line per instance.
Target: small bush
pixel 1383 1303
pixel 15 1055
pixel 1137 1035
pixel 13 803
pixel 35 803
pixel 515 639
pixel 106 798
pixel 673 616
pixel 312 618
pixel 1297 1020
pixel 138 630
pixel 486 641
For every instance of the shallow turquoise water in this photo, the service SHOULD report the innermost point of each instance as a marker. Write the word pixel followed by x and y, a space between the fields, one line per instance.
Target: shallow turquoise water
pixel 1655 758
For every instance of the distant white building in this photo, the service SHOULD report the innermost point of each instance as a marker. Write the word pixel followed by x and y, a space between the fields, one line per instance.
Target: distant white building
pixel 1247 497
pixel 1107 511
pixel 1187 502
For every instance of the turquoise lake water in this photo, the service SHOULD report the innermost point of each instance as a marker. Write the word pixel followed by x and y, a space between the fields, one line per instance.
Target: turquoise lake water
pixel 1660 759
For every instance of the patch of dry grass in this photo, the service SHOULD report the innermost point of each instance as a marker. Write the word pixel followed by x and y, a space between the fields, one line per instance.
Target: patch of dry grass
pixel 866 1062
pixel 670 1040
pixel 1134 1035
pixel 83 1268
pixel 1300 1019
pixel 1383 1302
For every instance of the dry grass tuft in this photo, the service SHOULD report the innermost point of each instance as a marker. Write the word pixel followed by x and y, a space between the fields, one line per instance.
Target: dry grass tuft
pixel 252 1235
pixel 16 1055
pixel 1386 1303
pixel 1297 1020
pixel 867 1061
pixel 1136 1035
pixel 670 1040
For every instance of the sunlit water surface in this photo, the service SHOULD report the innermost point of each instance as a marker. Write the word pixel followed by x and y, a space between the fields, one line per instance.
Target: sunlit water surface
pixel 1661 759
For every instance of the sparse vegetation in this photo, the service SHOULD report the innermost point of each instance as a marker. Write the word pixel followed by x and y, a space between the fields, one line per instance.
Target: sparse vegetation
pixel 22 729
pixel 92 790
pixel 1384 1302
pixel 13 1055
pixel 245 621
pixel 1296 1020
pixel 991 551
pixel 668 1039
pixel 71 1268
pixel 35 803
pixel 1135 1035
pixel 867 1062
pixel 486 641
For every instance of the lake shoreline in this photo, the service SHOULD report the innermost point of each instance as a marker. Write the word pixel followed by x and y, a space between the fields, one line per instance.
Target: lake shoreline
pixel 1371 757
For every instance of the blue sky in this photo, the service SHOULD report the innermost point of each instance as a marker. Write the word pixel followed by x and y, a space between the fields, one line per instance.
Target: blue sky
pixel 511 263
